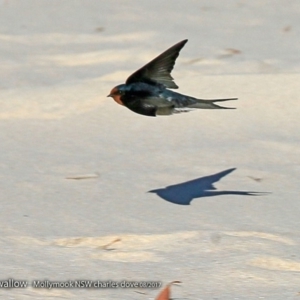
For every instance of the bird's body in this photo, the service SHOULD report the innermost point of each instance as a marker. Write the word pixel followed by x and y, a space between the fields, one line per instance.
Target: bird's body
pixel 146 91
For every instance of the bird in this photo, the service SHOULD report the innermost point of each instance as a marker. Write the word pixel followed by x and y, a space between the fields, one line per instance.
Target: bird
pixel 147 91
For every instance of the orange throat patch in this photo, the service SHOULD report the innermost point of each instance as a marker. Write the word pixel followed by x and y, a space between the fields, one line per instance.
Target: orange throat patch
pixel 117 98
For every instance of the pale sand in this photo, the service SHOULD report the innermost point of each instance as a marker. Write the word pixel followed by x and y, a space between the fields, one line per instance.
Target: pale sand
pixel 76 168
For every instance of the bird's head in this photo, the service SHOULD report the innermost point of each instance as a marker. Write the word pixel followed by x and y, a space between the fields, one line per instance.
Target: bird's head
pixel 116 93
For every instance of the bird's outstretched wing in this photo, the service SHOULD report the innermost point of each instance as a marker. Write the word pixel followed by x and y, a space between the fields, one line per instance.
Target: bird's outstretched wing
pixel 159 69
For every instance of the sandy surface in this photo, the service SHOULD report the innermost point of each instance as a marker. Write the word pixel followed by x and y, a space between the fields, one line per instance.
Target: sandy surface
pixel 76 169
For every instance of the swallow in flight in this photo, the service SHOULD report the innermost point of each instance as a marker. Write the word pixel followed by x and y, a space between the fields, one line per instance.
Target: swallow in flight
pixel 146 91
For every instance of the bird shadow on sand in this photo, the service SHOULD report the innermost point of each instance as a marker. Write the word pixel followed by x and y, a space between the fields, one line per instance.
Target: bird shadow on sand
pixel 184 193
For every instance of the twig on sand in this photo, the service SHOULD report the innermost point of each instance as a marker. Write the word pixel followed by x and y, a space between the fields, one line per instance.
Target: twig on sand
pixel 105 247
pixel 85 176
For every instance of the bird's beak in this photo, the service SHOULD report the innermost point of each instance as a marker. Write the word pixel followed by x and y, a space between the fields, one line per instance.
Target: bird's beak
pixel 109 95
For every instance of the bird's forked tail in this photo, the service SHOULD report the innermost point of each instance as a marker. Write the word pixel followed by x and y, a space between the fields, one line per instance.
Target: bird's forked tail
pixel 210 104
